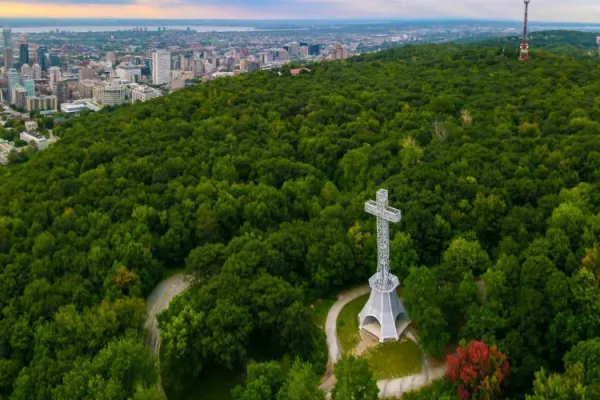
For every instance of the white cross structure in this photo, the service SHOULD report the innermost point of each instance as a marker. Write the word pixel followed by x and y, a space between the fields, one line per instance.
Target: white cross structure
pixel 384 304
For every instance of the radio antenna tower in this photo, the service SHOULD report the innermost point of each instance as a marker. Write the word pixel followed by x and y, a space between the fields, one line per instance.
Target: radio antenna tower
pixel 525 45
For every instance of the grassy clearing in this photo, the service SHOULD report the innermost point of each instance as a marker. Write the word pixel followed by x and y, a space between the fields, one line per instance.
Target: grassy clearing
pixel 347 324
pixel 394 359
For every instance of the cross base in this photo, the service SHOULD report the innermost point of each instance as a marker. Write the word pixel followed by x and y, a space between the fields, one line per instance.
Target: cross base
pixel 383 306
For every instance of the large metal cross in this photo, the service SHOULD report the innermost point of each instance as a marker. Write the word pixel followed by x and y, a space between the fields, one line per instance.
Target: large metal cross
pixel 384 214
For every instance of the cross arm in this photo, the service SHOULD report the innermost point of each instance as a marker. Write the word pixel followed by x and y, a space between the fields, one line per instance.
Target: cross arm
pixel 388 213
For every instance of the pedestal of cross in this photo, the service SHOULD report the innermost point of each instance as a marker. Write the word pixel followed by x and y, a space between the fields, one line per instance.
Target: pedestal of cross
pixel 384 307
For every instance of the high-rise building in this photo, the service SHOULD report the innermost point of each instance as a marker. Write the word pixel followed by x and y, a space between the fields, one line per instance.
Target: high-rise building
pixel 110 58
pixel 109 94
pixel 35 103
pixel 29 84
pixel 24 53
pixel 86 73
pixel 314 49
pixel 26 71
pixel 294 50
pixel 303 51
pixel 54 75
pixel 253 66
pixel 19 97
pixel 184 62
pixel 43 58
pixel 36 71
pixel 8 48
pixel 128 72
pixel 161 67
pixel 14 79
pixel 340 53
pixel 54 60
pixel 86 88
pixel 61 89
pixel 7 36
pixel 266 58
pixel 9 57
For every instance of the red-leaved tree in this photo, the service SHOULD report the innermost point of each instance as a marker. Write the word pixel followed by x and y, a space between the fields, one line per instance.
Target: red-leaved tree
pixel 478 371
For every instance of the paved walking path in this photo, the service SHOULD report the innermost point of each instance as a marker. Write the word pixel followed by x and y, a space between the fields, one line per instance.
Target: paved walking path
pixel 159 301
pixel 388 387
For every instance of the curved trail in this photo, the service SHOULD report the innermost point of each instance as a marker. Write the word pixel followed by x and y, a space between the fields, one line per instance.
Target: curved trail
pixel 170 288
pixel 158 301
pixel 388 387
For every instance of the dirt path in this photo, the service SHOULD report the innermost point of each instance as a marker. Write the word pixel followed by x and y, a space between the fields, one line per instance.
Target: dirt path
pixel 388 387
pixel 158 301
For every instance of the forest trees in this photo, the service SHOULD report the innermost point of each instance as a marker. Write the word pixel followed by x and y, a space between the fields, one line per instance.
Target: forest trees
pixel 479 371
pixel 256 185
pixel 354 380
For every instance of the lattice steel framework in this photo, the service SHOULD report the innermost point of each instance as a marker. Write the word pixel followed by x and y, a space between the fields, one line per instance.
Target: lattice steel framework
pixel 383 280
pixel 383 304
pixel 524 56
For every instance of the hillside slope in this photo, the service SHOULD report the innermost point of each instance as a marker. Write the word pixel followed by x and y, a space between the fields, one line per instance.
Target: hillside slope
pixel 256 184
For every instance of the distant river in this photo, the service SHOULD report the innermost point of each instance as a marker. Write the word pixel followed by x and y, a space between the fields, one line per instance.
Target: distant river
pixel 114 28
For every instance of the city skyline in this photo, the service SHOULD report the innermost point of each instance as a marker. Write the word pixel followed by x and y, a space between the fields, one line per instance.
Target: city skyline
pixel 547 10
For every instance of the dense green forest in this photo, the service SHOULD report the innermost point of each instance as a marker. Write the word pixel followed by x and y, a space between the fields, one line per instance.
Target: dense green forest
pixel 572 43
pixel 256 185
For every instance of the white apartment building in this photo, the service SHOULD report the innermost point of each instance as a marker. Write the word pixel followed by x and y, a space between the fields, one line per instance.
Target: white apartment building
pixel 109 94
pixel 55 76
pixel 144 93
pixel 86 88
pixel 36 71
pixel 40 141
pixel 161 67
pixel 26 71
pixel 35 103
pixel 129 73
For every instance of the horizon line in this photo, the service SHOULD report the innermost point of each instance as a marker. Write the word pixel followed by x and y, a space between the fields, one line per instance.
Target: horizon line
pixel 328 19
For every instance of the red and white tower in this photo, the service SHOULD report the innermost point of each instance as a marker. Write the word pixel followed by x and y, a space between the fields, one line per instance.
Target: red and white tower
pixel 524 45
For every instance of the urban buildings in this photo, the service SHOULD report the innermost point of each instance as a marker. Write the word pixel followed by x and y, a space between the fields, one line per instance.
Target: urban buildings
pixel 54 75
pixel 43 58
pixel 29 85
pixel 144 93
pixel 37 140
pixel 36 72
pixel 14 80
pixel 161 67
pixel 86 88
pixel 61 89
pixel 129 72
pixel 8 48
pixel 111 58
pixel 37 103
pixel 19 97
pixel 86 73
pixel 109 93
pixel 24 53
pixel 78 106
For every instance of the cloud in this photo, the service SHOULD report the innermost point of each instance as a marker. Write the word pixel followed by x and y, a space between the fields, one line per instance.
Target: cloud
pixel 73 2
pixel 555 10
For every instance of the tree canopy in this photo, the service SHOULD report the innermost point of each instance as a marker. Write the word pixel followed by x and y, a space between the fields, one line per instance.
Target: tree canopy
pixel 256 185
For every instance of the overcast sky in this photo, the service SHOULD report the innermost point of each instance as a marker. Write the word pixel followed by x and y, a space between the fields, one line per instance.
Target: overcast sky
pixel 541 10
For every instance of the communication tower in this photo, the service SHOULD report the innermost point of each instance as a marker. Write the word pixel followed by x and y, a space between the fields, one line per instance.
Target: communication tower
pixel 525 45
